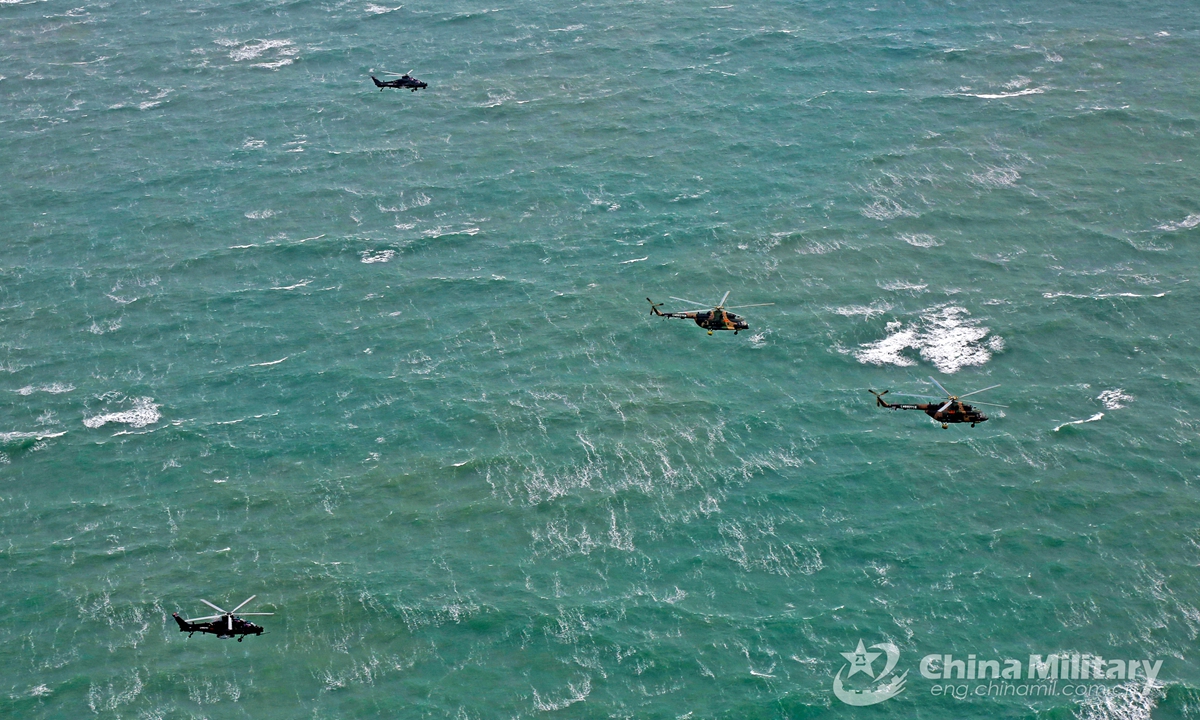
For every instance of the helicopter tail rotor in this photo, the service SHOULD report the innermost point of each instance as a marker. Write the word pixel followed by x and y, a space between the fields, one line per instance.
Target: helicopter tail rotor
pixel 654 307
pixel 879 398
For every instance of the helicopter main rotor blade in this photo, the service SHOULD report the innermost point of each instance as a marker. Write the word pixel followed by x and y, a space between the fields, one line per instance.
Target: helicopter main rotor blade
pixel 703 305
pixel 239 607
pixel 249 614
pixel 926 397
pixel 976 392
pixel 948 404
pixel 739 307
pixel 939 386
pixel 722 303
pixel 214 607
pixel 989 404
pixel 210 617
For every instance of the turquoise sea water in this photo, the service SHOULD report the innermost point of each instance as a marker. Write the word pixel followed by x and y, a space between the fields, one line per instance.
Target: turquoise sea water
pixel 385 361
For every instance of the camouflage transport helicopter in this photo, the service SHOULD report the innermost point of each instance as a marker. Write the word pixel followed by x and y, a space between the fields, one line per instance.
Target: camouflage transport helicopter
pixel 225 625
pixel 716 319
pixel 953 410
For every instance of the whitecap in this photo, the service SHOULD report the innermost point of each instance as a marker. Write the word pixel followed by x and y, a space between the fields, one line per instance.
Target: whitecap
pixel 302 283
pixel 885 208
pixel 996 177
pixel 260 214
pixel 268 364
pixel 900 285
pixel 944 335
pixel 53 389
pixel 878 307
pixel 1187 223
pixel 274 65
pixel 921 240
pixel 252 50
pixel 1114 399
pixel 1093 418
pixel 1134 700
pixel 889 351
pixel 1000 96
pixel 15 437
pixel 381 256
pixel 575 694
pixel 626 262
pixel 143 413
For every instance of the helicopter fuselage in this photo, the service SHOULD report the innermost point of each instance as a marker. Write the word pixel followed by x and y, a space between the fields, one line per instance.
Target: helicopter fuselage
pixel 958 412
pixel 719 320
pixel 715 319
pixel 222 627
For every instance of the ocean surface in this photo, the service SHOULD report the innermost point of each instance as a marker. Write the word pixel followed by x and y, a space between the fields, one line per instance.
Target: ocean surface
pixel 385 359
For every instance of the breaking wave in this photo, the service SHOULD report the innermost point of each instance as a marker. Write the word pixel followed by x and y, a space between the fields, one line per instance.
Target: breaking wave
pixel 1187 223
pixel 1114 399
pixel 143 413
pixel 945 335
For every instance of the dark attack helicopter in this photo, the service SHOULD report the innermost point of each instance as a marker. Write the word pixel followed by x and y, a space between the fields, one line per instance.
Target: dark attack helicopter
pixel 225 625
pixel 404 81
pixel 953 410
pixel 719 318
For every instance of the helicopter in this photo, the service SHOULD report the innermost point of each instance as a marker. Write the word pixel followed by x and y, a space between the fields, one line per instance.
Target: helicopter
pixel 405 81
pixel 954 410
pixel 716 319
pixel 225 625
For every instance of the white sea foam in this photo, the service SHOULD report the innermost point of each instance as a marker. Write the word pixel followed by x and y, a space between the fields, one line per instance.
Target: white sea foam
pixel 1114 399
pixel 900 285
pixel 1187 223
pixel 52 388
pixel 444 231
pixel 254 49
pixel 260 214
pixel 920 240
pixel 1098 296
pixel 574 694
pixel 381 256
pixel 274 65
pixel 302 283
pixel 945 335
pixel 1134 700
pixel 626 262
pixel 268 364
pixel 886 208
pixel 374 9
pixel 10 438
pixel 143 413
pixel 878 307
pixel 1093 418
pixel 996 177
pixel 1000 96
pixel 818 248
